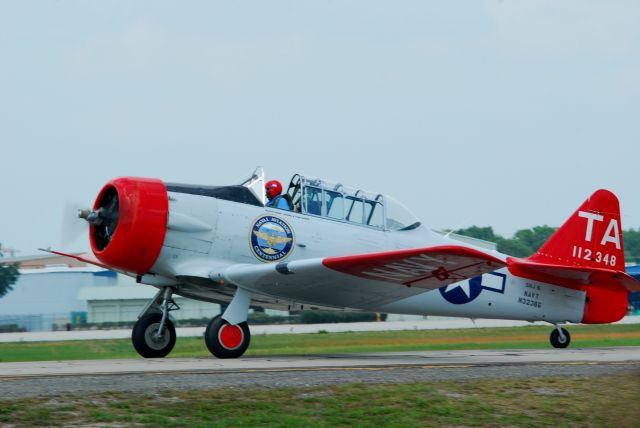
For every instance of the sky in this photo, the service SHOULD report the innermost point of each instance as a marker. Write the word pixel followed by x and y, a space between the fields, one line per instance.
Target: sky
pixel 492 113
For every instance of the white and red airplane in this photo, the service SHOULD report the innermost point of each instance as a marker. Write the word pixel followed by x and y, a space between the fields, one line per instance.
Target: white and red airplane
pixel 340 248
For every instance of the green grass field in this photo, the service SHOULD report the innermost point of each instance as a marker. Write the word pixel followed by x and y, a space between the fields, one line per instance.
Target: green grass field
pixel 539 402
pixel 328 343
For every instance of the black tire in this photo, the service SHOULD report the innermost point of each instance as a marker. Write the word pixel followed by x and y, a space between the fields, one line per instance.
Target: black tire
pixel 143 341
pixel 554 338
pixel 212 338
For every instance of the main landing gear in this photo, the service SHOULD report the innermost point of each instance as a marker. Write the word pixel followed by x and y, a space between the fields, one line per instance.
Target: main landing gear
pixel 226 336
pixel 560 337
pixel 226 340
pixel 154 334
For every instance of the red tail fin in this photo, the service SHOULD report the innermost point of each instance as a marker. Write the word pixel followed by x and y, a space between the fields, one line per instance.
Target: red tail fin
pixel 587 254
pixel 592 237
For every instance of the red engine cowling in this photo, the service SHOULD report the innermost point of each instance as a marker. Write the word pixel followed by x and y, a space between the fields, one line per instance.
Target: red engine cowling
pixel 134 215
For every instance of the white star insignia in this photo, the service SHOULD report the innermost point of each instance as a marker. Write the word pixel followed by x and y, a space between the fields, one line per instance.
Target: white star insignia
pixel 464 285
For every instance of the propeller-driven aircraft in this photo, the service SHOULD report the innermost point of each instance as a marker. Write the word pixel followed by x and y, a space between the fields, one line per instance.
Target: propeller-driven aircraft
pixel 344 249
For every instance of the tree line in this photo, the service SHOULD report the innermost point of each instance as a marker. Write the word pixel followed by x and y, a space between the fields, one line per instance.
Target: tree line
pixel 525 242
pixel 8 276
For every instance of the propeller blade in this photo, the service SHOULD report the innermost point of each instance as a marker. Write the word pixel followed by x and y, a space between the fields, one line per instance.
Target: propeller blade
pixel 73 227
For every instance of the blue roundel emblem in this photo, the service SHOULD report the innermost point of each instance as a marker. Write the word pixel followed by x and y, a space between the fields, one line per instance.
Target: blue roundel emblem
pixel 271 238
pixel 462 292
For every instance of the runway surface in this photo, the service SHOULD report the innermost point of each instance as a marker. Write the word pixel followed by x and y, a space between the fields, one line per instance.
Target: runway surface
pixel 63 377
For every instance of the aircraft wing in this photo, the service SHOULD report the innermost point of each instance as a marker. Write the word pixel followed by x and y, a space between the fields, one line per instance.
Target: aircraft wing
pixel 363 279
pixel 85 257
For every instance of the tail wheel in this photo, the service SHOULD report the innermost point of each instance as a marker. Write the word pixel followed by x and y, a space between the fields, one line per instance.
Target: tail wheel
pixel 226 340
pixel 557 341
pixel 148 342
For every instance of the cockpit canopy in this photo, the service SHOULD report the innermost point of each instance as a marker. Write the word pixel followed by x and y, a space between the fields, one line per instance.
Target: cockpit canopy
pixel 340 203
pixel 337 202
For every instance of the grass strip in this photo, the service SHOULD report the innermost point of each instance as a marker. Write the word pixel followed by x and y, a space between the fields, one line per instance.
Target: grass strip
pixel 331 343
pixel 537 402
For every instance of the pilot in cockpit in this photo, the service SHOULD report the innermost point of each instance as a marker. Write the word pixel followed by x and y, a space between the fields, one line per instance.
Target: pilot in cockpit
pixel 274 196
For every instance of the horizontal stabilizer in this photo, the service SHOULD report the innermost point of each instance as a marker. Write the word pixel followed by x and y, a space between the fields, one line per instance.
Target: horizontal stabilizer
pixel 572 276
pixel 587 250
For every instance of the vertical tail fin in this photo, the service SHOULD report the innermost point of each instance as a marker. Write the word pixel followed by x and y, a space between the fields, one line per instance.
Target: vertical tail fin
pixel 586 253
pixel 591 237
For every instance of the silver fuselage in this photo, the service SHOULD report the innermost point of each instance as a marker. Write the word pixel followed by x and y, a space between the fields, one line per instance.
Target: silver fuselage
pixel 206 235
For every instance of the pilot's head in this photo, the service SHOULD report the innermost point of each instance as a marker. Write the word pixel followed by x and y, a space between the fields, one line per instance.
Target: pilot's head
pixel 274 188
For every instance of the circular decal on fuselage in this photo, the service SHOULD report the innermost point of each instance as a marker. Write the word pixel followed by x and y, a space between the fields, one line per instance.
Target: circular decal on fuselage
pixel 271 238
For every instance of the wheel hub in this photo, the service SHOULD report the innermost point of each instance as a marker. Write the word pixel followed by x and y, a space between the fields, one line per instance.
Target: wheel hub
pixel 155 340
pixel 230 336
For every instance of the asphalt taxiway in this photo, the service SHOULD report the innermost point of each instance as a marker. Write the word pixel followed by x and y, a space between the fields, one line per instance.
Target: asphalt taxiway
pixel 64 377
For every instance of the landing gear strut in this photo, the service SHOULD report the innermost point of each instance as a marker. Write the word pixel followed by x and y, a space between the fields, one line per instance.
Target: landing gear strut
pixel 560 337
pixel 154 334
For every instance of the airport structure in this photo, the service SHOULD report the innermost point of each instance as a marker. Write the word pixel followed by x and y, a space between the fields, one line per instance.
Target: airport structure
pixel 53 292
pixel 634 298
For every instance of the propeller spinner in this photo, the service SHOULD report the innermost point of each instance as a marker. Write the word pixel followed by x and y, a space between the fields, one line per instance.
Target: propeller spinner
pixel 104 218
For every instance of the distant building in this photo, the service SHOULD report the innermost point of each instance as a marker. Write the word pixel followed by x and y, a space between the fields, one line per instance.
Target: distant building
pixel 54 291
pixel 634 298
pixel 124 300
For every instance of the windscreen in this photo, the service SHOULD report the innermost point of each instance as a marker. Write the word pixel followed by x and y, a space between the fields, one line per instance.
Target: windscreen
pixel 398 216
